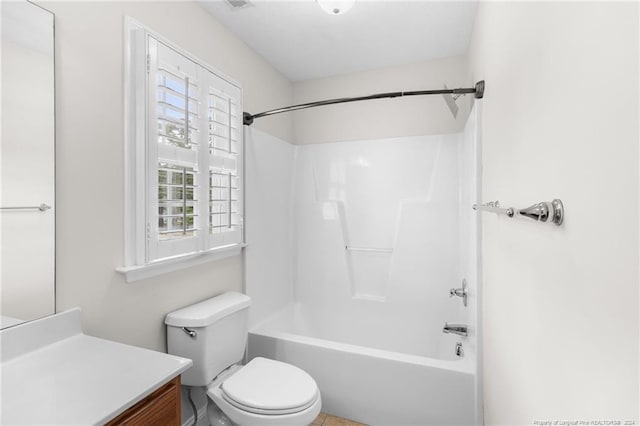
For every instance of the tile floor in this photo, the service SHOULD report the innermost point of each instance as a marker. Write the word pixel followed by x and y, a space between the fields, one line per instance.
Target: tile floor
pixel 324 419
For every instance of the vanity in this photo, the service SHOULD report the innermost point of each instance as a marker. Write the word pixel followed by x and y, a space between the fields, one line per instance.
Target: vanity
pixel 53 373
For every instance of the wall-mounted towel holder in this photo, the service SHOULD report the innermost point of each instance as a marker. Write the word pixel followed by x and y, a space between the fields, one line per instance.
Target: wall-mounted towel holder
pixel 41 208
pixel 545 211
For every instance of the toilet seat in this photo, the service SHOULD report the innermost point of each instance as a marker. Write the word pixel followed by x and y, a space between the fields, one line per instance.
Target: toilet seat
pixel 266 386
pixel 259 408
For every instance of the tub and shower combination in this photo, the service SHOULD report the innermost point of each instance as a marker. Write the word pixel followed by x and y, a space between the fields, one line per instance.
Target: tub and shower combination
pixel 353 248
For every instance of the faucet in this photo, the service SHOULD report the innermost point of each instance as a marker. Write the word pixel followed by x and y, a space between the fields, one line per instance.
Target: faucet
pixel 459 329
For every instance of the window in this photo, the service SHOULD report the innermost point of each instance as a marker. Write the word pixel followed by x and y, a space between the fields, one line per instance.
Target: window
pixel 184 157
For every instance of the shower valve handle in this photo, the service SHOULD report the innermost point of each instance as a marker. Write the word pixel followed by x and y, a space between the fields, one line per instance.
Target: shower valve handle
pixel 457 292
pixel 460 292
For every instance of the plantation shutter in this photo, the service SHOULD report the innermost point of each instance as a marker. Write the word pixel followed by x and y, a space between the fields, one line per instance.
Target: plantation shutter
pixel 225 165
pixel 194 157
pixel 174 176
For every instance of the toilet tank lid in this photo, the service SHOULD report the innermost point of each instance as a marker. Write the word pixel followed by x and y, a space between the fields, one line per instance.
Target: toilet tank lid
pixel 208 311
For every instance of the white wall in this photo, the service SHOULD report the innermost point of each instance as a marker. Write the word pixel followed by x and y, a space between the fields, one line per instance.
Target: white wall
pixel 269 164
pixel 385 118
pixel 560 120
pixel 89 131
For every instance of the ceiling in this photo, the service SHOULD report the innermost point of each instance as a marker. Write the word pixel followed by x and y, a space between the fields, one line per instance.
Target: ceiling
pixel 303 42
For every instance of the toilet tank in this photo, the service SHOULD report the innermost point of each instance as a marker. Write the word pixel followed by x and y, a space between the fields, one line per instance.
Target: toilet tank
pixel 212 333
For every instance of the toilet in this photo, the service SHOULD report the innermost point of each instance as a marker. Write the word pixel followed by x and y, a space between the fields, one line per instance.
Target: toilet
pixel 213 333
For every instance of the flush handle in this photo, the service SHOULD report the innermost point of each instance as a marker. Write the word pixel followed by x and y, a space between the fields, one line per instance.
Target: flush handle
pixel 191 333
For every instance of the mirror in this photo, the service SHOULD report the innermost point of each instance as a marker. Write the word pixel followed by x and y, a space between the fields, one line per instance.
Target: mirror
pixel 27 170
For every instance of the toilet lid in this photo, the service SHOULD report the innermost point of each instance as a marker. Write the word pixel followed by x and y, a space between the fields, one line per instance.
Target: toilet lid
pixel 265 386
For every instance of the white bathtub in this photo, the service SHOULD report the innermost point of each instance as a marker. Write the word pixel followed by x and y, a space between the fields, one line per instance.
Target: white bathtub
pixel 365 383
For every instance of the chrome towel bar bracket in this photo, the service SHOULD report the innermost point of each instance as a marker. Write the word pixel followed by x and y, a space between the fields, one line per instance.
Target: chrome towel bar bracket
pixel 545 211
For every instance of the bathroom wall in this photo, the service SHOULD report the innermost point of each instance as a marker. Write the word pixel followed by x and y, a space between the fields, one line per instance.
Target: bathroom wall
pixel 560 120
pixel 385 118
pixel 89 131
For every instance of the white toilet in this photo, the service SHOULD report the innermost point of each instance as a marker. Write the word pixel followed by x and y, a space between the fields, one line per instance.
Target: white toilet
pixel 213 333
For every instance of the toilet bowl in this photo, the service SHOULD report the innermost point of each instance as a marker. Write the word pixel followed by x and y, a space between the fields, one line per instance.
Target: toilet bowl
pixel 264 392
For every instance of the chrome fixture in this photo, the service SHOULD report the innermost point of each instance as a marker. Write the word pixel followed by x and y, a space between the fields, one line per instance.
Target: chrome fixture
pixel 460 292
pixel 459 329
pixel 494 207
pixel 42 207
pixel 545 211
pixel 191 333
pixel 459 349
pixel 477 90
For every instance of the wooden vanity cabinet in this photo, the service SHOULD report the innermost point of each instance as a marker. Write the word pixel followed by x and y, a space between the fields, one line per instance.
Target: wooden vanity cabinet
pixel 161 408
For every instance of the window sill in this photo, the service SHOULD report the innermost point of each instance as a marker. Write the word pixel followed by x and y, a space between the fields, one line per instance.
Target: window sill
pixel 141 272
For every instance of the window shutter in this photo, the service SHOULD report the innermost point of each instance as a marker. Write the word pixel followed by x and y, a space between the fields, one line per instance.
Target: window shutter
pixel 194 156
pixel 173 174
pixel 225 207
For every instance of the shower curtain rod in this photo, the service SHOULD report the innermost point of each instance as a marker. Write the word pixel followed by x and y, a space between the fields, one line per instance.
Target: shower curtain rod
pixel 477 90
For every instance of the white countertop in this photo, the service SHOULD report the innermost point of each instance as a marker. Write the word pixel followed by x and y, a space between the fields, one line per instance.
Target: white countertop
pixel 78 379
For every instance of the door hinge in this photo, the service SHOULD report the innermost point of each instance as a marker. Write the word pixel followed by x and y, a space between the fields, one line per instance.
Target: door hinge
pixel 148 63
pixel 148 231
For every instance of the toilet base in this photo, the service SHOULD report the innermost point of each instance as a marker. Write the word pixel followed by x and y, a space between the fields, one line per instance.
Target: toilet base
pixel 216 416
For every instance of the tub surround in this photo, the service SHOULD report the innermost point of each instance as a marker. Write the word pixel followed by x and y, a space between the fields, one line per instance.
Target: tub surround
pixel 52 373
pixel 379 232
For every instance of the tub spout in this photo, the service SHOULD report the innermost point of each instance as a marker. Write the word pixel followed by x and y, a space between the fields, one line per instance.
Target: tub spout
pixel 459 329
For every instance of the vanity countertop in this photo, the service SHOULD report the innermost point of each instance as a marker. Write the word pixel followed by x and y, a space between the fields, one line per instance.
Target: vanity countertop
pixel 66 377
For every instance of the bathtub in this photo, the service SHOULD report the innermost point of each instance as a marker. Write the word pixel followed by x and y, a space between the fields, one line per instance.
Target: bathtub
pixel 364 381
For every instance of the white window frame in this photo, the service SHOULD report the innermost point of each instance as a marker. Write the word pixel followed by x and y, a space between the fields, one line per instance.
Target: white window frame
pixel 137 160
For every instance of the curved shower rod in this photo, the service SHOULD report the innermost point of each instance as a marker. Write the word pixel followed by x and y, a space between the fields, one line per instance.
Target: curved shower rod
pixel 477 90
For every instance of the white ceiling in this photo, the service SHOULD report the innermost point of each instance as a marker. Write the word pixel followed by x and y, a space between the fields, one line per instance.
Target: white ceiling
pixel 303 42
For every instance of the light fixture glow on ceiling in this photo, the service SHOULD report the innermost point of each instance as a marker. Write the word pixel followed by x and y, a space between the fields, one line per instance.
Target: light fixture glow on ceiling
pixel 336 7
